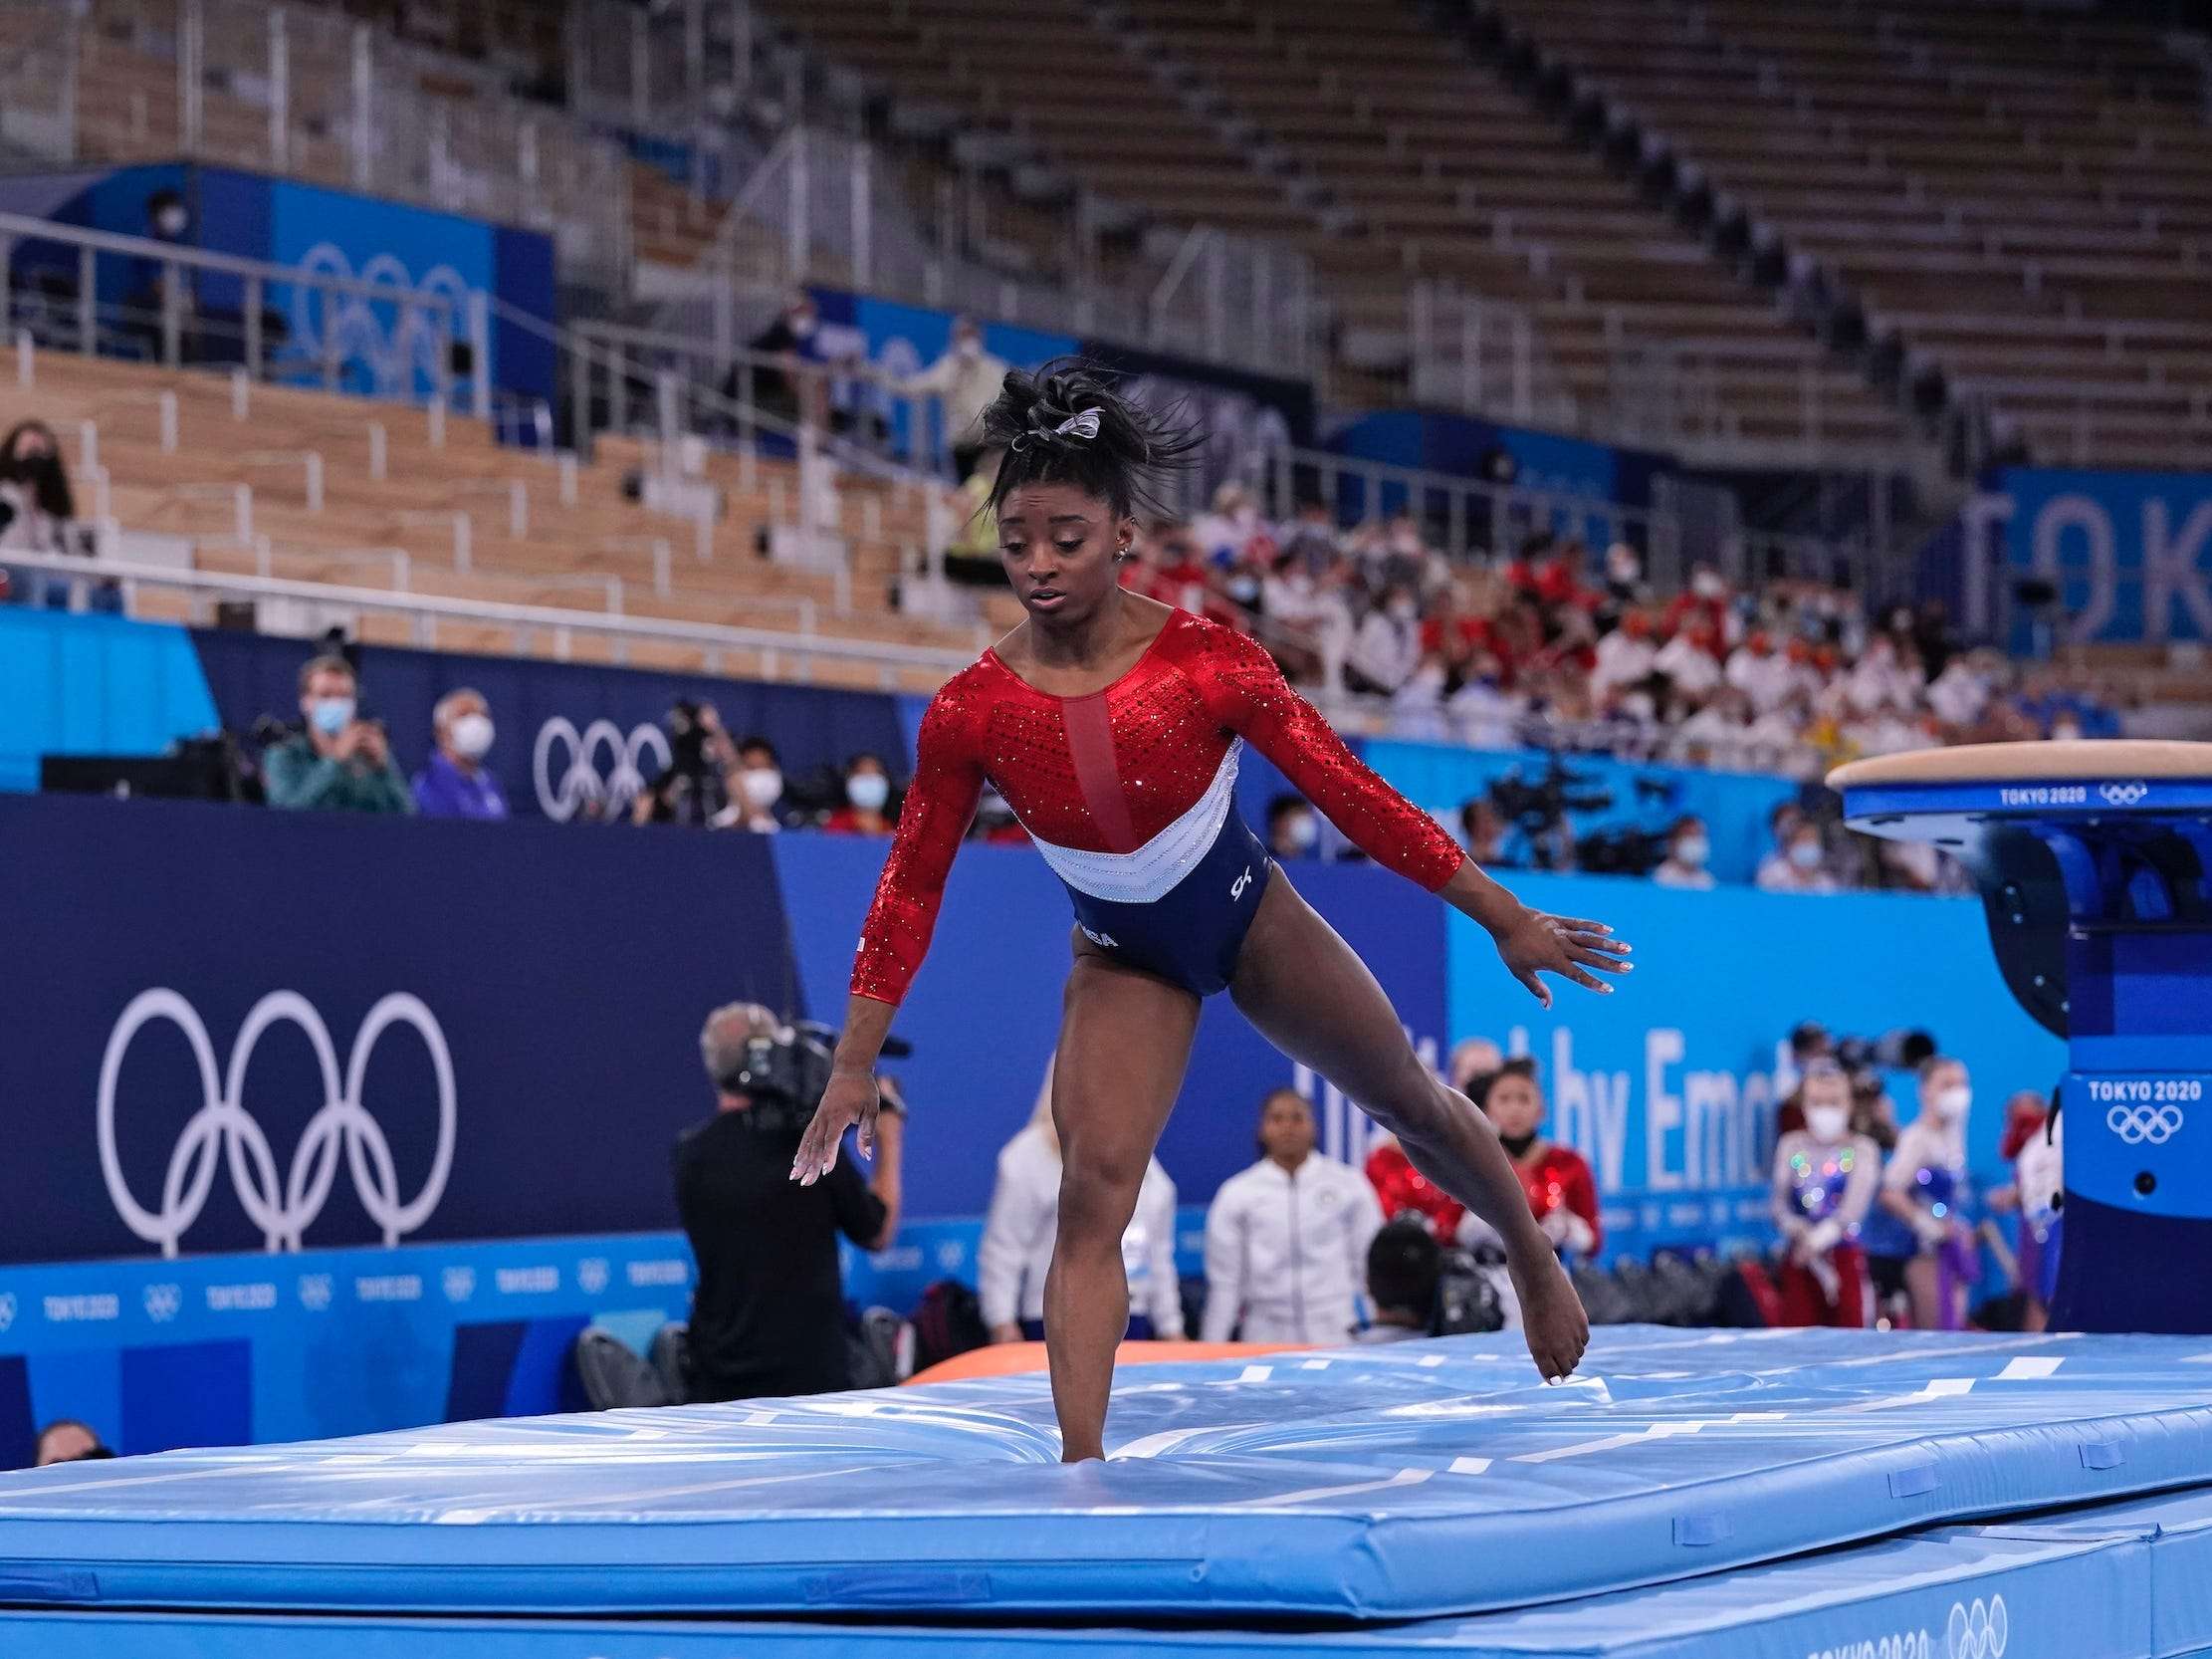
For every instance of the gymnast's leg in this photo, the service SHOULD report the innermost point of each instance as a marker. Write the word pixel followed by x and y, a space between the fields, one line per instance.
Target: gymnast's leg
pixel 1308 993
pixel 1125 1039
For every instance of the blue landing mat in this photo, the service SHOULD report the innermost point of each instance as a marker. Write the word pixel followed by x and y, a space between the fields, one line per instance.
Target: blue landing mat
pixel 2126 1580
pixel 1413 1481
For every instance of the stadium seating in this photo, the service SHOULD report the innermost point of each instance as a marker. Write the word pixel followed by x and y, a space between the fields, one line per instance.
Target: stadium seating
pixel 1387 154
pixel 524 543
pixel 2022 201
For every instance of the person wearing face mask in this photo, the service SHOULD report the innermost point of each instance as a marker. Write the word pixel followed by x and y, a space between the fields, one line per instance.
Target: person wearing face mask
pixel 756 790
pixel 789 386
pixel 340 762
pixel 867 798
pixel 1799 863
pixel 1293 829
pixel 964 382
pixel 1825 1182
pixel 1687 850
pixel 1387 648
pixel 37 511
pixel 1924 1194
pixel 1562 1193
pixel 456 782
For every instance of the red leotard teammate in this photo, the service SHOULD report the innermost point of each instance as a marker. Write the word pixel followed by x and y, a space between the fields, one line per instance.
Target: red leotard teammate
pixel 1111 724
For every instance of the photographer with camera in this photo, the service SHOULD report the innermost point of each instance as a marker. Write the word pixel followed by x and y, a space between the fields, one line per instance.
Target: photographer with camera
pixel 339 761
pixel 696 786
pixel 767 1312
pixel 1403 1266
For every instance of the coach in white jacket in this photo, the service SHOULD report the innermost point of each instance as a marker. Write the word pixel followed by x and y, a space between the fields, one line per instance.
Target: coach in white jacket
pixel 1017 1248
pixel 1286 1240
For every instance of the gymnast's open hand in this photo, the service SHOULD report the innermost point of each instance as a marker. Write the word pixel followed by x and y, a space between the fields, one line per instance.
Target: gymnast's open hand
pixel 851 1098
pixel 1536 943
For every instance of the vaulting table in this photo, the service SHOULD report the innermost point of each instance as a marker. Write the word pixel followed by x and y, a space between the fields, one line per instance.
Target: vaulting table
pixel 2093 859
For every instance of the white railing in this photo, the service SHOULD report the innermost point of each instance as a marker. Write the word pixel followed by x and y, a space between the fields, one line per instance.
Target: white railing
pixel 181 306
pixel 328 100
pixel 824 207
pixel 792 653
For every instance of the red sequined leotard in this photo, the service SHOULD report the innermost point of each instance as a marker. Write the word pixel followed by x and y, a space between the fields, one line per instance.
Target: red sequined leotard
pixel 1125 788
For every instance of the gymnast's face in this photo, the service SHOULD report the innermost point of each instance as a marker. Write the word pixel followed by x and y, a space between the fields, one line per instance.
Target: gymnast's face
pixel 1062 546
pixel 1514 1103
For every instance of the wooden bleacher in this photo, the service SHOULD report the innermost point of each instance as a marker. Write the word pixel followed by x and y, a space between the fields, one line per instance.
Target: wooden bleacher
pixel 563 559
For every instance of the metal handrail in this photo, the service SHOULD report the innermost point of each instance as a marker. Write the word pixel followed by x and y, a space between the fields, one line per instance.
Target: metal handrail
pixel 711 637
pixel 15 226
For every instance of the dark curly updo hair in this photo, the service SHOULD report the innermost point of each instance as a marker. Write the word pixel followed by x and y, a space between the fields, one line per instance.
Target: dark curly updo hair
pixel 1067 425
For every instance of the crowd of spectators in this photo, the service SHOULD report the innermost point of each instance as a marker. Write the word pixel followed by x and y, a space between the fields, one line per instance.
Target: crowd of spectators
pixel 1581 652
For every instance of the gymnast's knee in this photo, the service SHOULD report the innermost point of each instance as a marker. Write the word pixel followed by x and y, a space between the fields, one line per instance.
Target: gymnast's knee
pixel 1098 1194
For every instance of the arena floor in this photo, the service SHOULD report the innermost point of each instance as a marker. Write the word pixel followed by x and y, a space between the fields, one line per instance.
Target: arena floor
pixel 1692 1493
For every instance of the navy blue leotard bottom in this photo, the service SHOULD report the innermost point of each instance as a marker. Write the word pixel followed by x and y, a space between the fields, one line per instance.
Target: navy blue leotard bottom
pixel 1190 935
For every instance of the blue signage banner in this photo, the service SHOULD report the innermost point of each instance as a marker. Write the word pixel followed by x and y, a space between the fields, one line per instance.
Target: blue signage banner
pixel 228 1349
pixel 572 738
pixel 2130 552
pixel 1443 778
pixel 333 232
pixel 223 1027
pixel 1667 1086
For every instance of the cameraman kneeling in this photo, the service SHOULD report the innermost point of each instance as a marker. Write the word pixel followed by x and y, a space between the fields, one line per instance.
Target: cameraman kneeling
pixel 767 1315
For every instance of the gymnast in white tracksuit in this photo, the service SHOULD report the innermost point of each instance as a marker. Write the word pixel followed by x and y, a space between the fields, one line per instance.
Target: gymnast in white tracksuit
pixel 1017 1240
pixel 1286 1240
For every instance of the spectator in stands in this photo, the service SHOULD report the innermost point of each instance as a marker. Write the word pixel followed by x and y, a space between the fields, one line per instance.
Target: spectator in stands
pixel 1387 647
pixel 790 385
pixel 1688 849
pixel 455 782
pixel 65 1439
pixel 1222 535
pixel 1293 828
pixel 768 1311
pixel 1705 600
pixel 1690 660
pixel 867 798
pixel 1024 1222
pixel 756 790
pixel 1403 1264
pixel 1562 1193
pixel 1766 676
pixel 1625 656
pixel 1799 861
pixel 339 761
pixel 964 382
pixel 36 510
pixel 1923 1191
pixel 1286 1240
pixel 1825 1180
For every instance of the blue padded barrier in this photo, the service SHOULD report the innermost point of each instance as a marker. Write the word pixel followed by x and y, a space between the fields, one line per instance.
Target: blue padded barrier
pixel 1417 1480
pixel 2116 1581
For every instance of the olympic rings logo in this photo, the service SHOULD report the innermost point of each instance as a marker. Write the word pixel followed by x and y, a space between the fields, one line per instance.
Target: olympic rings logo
pixel 580 782
pixel 282 1213
pixel 1980 1631
pixel 2123 795
pixel 2136 1124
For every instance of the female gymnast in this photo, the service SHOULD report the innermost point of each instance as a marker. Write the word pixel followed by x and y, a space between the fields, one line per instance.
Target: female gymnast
pixel 1111 724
